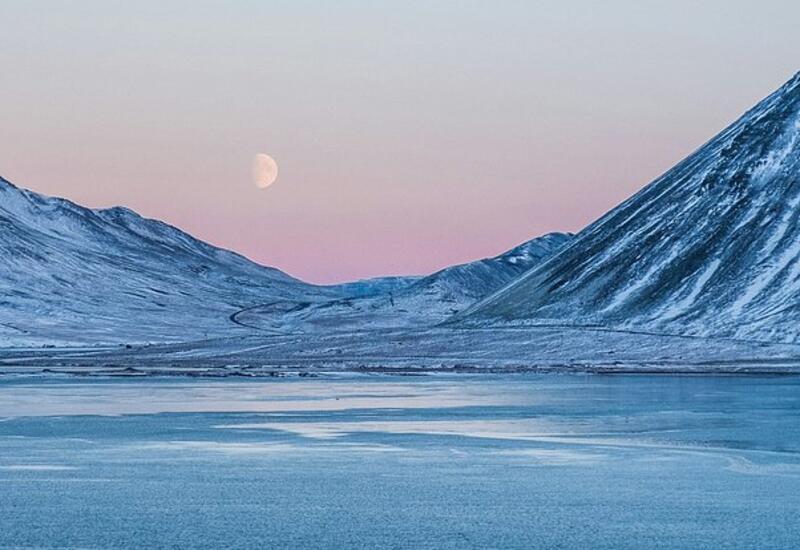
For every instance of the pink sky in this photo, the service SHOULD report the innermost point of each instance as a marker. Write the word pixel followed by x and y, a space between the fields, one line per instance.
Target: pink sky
pixel 407 140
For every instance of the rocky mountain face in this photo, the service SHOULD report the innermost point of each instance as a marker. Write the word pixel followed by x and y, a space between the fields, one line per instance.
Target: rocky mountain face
pixel 712 247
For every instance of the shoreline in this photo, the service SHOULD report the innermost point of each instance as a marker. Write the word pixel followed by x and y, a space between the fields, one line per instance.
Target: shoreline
pixel 267 373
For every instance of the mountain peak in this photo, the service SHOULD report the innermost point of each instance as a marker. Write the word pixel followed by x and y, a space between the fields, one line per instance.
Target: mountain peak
pixel 4 183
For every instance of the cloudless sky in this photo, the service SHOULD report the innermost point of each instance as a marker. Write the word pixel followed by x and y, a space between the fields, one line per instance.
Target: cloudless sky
pixel 410 135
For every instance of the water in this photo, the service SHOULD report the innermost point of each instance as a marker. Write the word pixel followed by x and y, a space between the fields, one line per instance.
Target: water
pixel 432 462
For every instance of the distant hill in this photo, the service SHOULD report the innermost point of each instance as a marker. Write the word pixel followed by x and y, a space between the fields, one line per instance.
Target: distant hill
pixel 416 302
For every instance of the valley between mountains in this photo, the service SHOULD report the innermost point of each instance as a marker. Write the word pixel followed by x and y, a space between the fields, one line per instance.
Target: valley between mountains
pixel 699 271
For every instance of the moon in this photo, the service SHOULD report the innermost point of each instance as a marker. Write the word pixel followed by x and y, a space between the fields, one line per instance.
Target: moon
pixel 265 170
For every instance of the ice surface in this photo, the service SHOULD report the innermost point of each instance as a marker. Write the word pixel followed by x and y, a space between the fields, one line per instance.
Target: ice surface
pixel 515 461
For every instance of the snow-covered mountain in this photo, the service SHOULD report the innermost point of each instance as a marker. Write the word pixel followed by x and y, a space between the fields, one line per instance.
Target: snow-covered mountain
pixel 70 274
pixel 406 302
pixel 73 274
pixel 712 247
pixel 459 286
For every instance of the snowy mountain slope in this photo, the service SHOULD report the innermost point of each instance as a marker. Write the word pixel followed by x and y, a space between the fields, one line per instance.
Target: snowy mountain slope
pixel 71 274
pixel 712 247
pixel 462 285
pixel 413 302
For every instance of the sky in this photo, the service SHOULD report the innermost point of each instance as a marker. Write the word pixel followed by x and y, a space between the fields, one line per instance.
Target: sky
pixel 409 135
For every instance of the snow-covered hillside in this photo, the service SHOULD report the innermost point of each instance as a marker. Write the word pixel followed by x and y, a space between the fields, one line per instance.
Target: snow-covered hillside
pixel 71 274
pixel 409 302
pixel 459 286
pixel 712 247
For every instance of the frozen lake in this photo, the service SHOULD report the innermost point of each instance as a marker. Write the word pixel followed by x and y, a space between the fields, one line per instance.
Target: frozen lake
pixel 516 461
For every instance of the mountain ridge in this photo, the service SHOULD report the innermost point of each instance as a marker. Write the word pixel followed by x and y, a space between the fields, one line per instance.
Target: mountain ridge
pixel 123 217
pixel 73 274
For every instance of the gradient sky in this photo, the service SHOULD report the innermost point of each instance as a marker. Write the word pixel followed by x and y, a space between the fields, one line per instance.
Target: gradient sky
pixel 410 135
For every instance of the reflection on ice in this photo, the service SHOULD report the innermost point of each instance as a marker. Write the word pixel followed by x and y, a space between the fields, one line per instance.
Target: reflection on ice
pixel 159 396
pixel 494 429
pixel 243 449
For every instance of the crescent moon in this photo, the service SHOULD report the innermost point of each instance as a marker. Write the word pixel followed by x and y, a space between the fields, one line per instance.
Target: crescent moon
pixel 265 170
